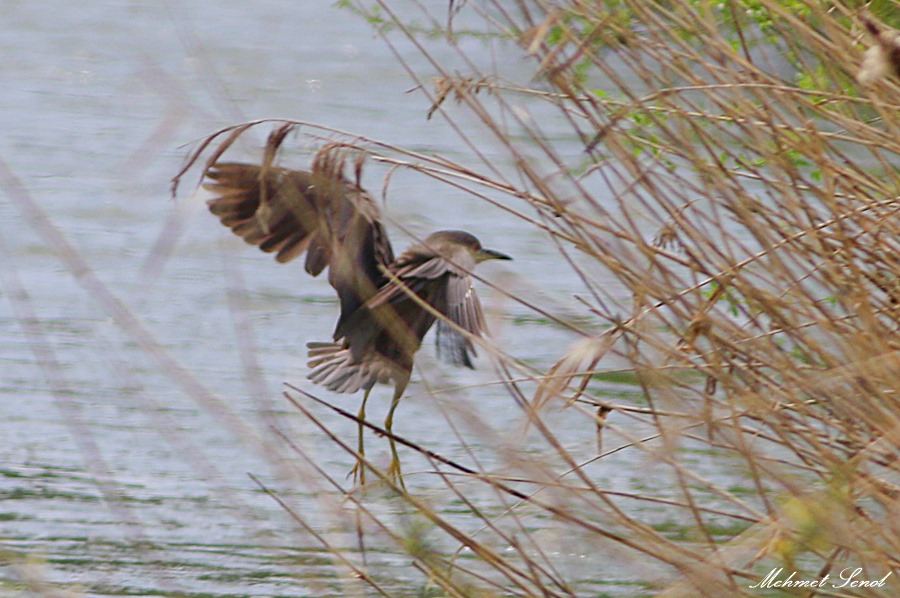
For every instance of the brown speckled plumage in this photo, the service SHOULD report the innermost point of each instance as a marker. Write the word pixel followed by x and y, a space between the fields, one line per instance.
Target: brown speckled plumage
pixel 384 300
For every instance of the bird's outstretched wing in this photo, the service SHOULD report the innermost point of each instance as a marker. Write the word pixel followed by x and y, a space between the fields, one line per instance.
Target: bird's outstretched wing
pixel 439 279
pixel 320 212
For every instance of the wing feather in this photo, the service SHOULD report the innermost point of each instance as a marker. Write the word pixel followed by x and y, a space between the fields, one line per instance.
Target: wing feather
pixel 320 212
pixel 443 282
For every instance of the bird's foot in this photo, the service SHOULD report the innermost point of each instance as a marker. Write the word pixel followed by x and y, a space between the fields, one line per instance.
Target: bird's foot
pixel 358 472
pixel 394 474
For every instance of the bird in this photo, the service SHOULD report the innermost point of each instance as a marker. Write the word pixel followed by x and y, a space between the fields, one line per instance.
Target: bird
pixel 387 303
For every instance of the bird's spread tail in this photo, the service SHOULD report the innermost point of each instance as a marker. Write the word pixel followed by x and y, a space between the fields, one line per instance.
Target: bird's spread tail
pixel 333 367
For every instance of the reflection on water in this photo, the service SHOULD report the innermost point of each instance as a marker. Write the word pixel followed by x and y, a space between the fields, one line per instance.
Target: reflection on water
pixel 113 479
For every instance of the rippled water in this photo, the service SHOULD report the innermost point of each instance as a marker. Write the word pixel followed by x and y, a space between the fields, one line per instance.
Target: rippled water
pixel 114 478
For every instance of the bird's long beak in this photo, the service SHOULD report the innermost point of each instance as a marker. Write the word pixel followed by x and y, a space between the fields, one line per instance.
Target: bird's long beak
pixel 489 254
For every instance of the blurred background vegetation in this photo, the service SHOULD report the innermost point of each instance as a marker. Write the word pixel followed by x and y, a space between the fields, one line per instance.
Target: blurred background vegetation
pixel 721 179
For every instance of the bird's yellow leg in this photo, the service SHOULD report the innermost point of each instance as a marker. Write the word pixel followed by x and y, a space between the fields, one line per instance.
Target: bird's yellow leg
pixel 359 470
pixel 394 469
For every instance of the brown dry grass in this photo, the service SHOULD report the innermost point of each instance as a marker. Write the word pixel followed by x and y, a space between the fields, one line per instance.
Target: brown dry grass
pixel 750 205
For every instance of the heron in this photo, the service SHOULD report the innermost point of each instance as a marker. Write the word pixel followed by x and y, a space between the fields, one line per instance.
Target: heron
pixel 387 303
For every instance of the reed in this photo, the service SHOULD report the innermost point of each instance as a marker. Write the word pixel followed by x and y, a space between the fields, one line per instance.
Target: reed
pixel 738 178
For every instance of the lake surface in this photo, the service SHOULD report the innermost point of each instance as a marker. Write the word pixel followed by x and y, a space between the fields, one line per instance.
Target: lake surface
pixel 143 349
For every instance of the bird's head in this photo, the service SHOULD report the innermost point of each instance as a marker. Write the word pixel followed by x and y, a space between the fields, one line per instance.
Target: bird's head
pixel 457 238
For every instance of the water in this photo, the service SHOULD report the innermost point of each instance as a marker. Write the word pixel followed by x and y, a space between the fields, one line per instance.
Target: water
pixel 120 475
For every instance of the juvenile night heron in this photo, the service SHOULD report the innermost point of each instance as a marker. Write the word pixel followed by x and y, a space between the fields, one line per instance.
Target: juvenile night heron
pixel 387 304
